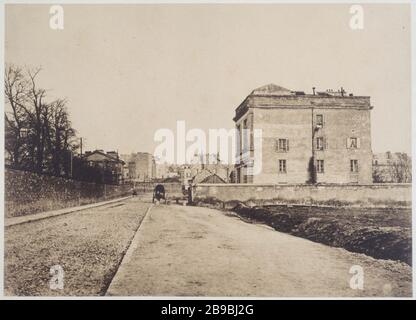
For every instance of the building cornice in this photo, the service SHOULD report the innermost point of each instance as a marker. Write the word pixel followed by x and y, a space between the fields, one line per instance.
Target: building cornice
pixel 302 102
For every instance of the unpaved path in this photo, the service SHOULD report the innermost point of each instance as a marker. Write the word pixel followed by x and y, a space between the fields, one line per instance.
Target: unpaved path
pixel 87 244
pixel 193 251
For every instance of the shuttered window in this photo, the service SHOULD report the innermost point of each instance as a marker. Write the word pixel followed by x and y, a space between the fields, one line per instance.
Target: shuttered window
pixel 353 143
pixel 320 120
pixel 321 143
pixel 282 166
pixel 354 166
pixel 282 145
pixel 320 166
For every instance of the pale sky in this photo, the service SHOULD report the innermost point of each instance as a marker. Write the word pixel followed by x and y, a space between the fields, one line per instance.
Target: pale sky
pixel 128 70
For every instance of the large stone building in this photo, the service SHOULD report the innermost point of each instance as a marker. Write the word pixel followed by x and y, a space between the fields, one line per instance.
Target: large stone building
pixel 323 137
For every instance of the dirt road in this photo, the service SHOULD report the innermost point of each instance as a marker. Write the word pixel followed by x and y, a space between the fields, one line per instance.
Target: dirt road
pixel 87 244
pixel 193 251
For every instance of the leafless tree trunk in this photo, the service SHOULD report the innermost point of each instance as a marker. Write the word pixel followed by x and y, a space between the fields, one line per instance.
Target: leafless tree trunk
pixel 36 97
pixel 59 134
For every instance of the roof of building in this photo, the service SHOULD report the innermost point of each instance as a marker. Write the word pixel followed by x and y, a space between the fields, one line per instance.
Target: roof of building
pixel 141 155
pixel 274 96
pixel 170 179
pixel 103 154
pixel 272 90
pixel 206 175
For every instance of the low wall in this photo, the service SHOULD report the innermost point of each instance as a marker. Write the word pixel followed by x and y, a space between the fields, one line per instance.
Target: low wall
pixel 27 192
pixel 171 188
pixel 329 194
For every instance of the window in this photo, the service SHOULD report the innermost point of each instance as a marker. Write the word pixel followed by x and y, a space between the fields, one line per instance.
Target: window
pixel 282 166
pixel 247 177
pixel 320 120
pixel 24 132
pixel 239 140
pixel 320 166
pixel 354 166
pixel 245 136
pixel 282 145
pixel 353 143
pixel 319 143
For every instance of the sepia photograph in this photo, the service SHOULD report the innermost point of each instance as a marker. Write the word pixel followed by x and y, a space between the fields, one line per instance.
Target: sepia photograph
pixel 197 150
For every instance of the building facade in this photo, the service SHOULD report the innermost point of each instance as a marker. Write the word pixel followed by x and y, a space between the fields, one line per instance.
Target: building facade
pixel 110 163
pixel 324 137
pixel 186 173
pixel 142 167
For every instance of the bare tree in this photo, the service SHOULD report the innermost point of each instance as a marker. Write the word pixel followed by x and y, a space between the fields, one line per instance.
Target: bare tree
pixel 15 91
pixel 60 136
pixel 35 111
pixel 401 168
pixel 39 136
pixel 378 176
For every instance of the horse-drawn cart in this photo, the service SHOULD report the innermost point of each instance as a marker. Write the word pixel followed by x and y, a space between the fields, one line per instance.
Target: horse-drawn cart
pixel 159 193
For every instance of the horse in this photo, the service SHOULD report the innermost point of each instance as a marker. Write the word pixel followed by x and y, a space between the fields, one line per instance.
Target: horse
pixel 159 193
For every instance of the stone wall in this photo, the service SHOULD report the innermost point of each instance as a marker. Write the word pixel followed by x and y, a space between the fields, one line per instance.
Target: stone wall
pixel 374 195
pixel 27 192
pixel 171 188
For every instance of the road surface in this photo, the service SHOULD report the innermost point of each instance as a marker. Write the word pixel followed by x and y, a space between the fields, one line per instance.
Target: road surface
pixel 88 244
pixel 194 251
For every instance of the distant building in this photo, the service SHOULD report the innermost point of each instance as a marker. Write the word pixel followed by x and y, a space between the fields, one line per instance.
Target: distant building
pixel 389 167
pixel 125 158
pixel 110 163
pixel 172 174
pixel 207 176
pixel 323 137
pixel 204 166
pixel 185 173
pixel 161 170
pixel 170 180
pixel 142 166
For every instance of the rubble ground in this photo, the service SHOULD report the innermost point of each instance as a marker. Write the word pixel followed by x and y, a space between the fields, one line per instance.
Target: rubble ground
pixel 380 233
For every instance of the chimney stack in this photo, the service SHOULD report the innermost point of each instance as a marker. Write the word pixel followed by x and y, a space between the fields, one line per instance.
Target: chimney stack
pixel 313 89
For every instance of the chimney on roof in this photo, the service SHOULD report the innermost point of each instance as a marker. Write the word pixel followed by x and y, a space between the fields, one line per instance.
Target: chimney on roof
pixel 313 89
pixel 342 91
